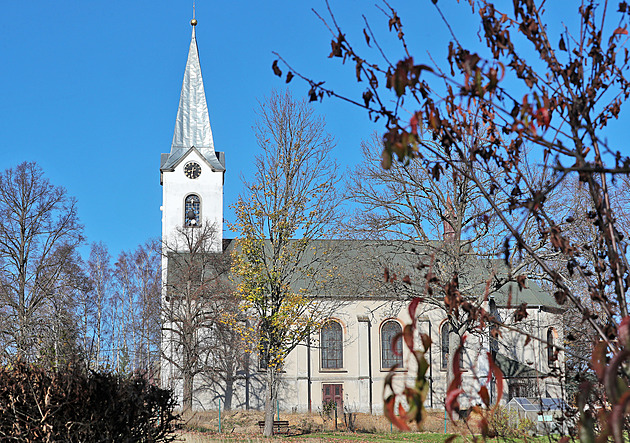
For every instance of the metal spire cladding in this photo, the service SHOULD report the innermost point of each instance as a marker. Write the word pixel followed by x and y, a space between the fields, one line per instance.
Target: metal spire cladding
pixel 192 126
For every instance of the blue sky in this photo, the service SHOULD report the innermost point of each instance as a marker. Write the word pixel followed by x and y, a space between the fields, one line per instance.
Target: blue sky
pixel 90 90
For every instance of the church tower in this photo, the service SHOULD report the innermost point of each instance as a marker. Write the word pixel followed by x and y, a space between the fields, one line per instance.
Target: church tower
pixel 192 173
pixel 191 176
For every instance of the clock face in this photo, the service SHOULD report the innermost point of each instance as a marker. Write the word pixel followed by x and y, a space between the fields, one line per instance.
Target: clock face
pixel 192 170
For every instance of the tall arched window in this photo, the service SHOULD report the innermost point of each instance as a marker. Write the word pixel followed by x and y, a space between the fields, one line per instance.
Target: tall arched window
pixel 192 211
pixel 332 345
pixel 551 349
pixel 444 348
pixel 391 355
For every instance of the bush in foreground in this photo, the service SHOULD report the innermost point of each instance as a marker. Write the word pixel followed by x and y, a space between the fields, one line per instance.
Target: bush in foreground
pixel 38 404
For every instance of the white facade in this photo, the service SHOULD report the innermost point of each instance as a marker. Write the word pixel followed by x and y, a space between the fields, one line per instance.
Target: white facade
pixel 361 377
pixel 176 186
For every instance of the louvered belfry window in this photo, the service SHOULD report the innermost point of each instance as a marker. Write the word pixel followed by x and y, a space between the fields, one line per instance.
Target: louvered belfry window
pixel 192 211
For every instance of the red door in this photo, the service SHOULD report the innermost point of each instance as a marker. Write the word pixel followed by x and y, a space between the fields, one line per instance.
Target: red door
pixel 333 393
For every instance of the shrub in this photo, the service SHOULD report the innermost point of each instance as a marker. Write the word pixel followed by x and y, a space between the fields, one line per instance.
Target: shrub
pixel 507 424
pixel 38 404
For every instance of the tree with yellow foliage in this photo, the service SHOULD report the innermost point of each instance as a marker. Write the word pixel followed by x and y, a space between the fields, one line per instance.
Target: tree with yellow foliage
pixel 293 201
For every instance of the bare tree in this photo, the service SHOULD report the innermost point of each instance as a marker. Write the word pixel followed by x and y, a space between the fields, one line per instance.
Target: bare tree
pixel 126 301
pixel 127 321
pixel 37 221
pixel 100 273
pixel 291 202
pixel 196 289
pixel 147 269
pixel 229 352
pixel 63 331
pixel 447 229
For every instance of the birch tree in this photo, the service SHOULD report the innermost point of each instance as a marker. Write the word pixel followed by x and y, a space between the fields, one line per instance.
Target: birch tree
pixel 100 274
pixel 39 230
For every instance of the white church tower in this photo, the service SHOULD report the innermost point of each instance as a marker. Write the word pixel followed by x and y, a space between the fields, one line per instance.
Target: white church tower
pixel 192 173
pixel 192 195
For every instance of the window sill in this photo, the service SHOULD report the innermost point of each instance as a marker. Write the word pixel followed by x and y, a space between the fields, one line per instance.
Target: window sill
pixel 395 370
pixel 327 370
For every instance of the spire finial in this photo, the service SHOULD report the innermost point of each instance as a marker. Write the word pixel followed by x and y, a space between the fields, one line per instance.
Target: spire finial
pixel 193 22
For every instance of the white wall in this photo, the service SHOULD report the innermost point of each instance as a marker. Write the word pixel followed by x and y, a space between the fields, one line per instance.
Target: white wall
pixel 208 186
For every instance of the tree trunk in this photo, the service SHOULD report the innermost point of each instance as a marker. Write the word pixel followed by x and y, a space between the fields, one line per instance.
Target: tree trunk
pixel 229 392
pixel 270 400
pixel 187 393
pixel 454 342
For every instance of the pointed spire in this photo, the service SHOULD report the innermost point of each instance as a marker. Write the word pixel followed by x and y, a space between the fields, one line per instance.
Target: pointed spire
pixel 192 126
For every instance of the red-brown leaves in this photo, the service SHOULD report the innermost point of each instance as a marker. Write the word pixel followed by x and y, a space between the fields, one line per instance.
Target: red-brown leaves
pixel 276 69
pixel 520 313
pixel 624 332
pixel 415 395
pixel 398 420
pixel 495 371
pixel 426 342
pixel 451 402
pixel 413 306
pixel 408 336
pixel 560 296
pixel 337 46
pixel 521 280
pixel 405 75
pixel 367 37
pixel 367 98
pixel 415 121
pixel 452 296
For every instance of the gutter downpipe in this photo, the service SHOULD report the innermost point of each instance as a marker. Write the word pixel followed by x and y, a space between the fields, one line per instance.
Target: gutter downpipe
pixel 308 369
pixel 369 337
pixel 430 371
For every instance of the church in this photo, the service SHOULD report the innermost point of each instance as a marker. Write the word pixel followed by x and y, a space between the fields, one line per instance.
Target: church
pixel 347 361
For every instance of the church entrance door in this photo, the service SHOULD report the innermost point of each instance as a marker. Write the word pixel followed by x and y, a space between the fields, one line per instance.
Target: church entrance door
pixel 333 393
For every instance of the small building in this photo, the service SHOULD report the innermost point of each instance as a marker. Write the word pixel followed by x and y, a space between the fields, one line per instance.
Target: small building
pixel 546 415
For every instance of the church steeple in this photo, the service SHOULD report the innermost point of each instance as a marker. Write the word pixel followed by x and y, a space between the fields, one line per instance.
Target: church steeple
pixel 192 126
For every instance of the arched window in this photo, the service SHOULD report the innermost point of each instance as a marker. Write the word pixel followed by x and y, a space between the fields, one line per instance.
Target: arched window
pixel 391 355
pixel 192 211
pixel 551 349
pixel 444 348
pixel 332 345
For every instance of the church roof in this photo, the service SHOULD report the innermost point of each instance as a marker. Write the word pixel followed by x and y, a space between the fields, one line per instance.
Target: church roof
pixel 359 268
pixel 515 369
pixel 192 126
